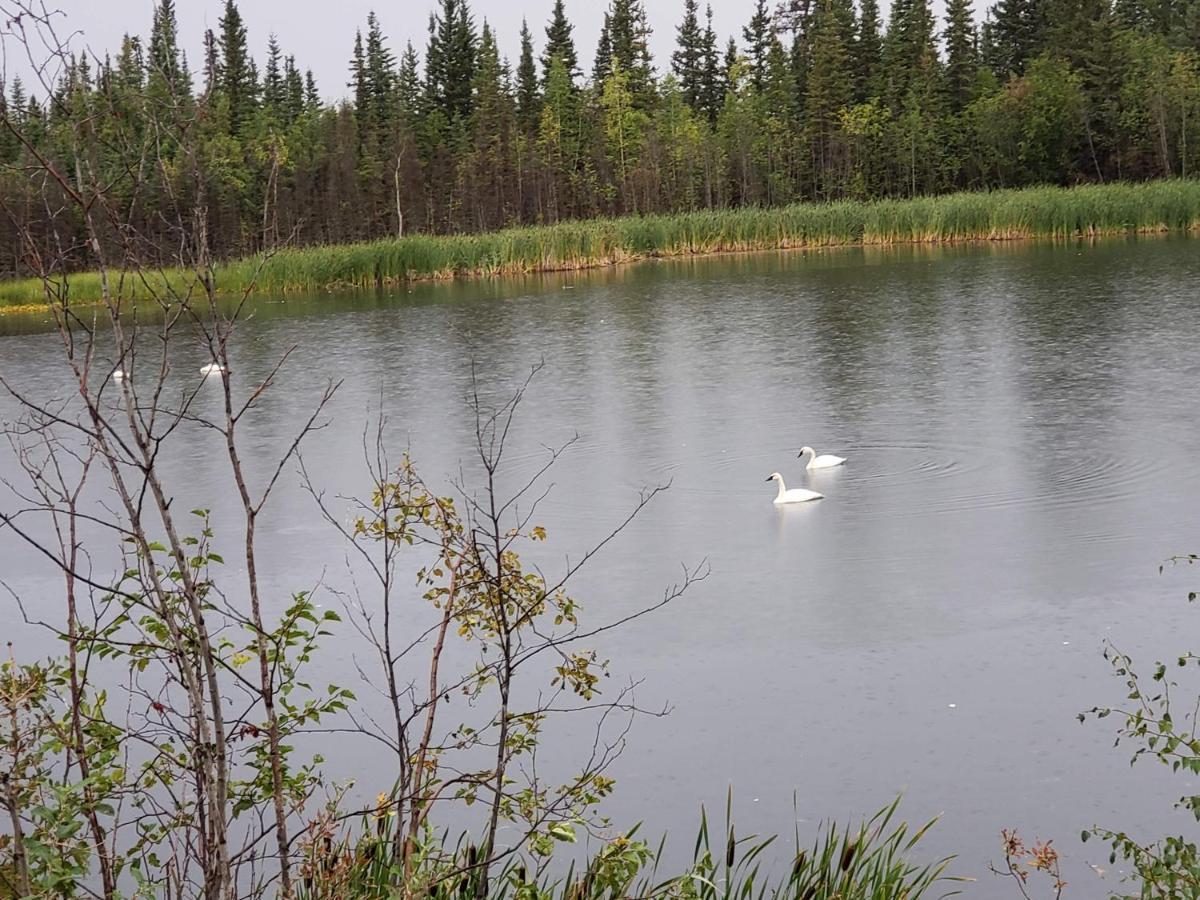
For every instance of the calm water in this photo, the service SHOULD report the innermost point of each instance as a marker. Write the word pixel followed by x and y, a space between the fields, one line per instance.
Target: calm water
pixel 1022 431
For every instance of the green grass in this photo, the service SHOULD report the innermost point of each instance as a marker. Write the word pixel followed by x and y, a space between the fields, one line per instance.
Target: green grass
pixel 1043 212
pixel 873 861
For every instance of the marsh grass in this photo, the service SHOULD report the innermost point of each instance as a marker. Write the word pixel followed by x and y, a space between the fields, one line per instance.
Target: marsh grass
pixel 872 861
pixel 1043 212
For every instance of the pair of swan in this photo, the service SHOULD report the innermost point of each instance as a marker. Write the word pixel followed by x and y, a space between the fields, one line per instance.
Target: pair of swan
pixel 802 495
pixel 210 369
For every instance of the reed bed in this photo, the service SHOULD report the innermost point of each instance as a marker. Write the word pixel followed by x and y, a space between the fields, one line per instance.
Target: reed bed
pixel 872 861
pixel 1041 212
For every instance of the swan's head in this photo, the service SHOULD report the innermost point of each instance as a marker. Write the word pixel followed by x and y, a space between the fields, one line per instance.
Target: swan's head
pixel 774 476
pixel 809 451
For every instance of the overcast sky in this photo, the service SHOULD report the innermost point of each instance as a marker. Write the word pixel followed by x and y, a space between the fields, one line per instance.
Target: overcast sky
pixel 320 33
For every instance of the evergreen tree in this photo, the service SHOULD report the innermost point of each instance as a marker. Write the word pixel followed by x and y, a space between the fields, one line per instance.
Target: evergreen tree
pixel 408 85
pixel 10 146
pixel 20 102
pixel 131 65
pixel 164 47
pixel 961 54
pixel 830 86
pixel 450 60
pixel 729 64
pixel 380 75
pixel 527 83
pixel 909 55
pixel 358 80
pixel 712 91
pixel 758 34
pixel 560 44
pixel 274 90
pixel 629 35
pixel 490 119
pixel 212 64
pixel 293 90
pixel 238 81
pixel 602 64
pixel 558 137
pixel 1015 35
pixel 687 62
pixel 869 51
pixel 312 97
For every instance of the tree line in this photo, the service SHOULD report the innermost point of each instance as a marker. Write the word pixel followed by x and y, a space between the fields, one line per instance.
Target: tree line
pixel 814 100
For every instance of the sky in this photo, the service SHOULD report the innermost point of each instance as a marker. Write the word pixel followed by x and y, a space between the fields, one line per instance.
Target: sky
pixel 320 33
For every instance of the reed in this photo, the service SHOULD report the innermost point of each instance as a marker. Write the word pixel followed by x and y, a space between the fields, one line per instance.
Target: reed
pixel 873 861
pixel 1040 212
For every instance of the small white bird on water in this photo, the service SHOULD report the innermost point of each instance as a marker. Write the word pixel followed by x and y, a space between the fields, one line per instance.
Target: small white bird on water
pixel 795 495
pixel 212 369
pixel 828 461
pixel 119 375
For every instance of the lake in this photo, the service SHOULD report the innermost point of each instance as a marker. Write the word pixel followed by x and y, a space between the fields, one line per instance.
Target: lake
pixel 1022 426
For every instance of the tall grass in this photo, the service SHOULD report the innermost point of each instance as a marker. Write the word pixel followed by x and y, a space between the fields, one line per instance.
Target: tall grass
pixel 1043 212
pixel 872 861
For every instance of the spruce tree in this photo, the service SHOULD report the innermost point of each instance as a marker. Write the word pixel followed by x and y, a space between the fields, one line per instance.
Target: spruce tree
pixel 408 85
pixel 687 62
pixel 909 53
pixel 869 51
pixel 10 147
pixel 490 112
pixel 758 34
pixel 602 64
pixel 19 103
pixel 293 83
pixel 380 75
pixel 629 36
pixel 358 81
pixel 450 60
pixel 560 44
pixel 961 54
pixel 712 91
pixel 238 81
pixel 1015 36
pixel 728 64
pixel 312 97
pixel 164 47
pixel 212 64
pixel 830 86
pixel 273 83
pixel 527 83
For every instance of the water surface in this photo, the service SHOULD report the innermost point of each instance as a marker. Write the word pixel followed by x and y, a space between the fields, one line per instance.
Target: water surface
pixel 1021 428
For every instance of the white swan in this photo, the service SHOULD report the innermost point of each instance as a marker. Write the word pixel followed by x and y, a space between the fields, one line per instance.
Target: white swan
pixel 795 495
pixel 213 369
pixel 119 375
pixel 827 461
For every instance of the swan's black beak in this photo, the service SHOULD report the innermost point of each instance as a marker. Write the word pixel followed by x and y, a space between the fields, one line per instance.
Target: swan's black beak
pixel 770 478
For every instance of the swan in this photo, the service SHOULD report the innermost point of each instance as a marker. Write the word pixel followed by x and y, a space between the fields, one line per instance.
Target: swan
pixel 213 369
pixel 827 461
pixel 119 375
pixel 795 495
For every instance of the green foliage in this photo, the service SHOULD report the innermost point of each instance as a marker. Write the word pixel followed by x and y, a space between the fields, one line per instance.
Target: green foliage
pixel 560 44
pixel 821 103
pixel 1163 727
pixel 997 215
pixel 869 862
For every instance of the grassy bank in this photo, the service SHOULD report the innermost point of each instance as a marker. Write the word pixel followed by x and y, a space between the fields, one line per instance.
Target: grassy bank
pixel 1048 212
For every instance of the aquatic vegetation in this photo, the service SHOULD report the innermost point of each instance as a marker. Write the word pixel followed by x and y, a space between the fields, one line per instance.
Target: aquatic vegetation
pixel 869 862
pixel 1043 212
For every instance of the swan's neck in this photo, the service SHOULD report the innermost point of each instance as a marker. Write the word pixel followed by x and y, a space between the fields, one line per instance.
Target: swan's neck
pixel 782 488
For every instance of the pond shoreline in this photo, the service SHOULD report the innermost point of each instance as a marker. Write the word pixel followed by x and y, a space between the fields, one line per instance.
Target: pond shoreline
pixel 1031 214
